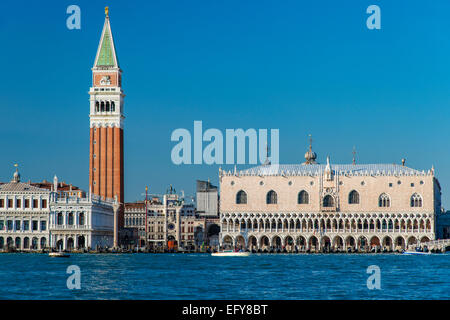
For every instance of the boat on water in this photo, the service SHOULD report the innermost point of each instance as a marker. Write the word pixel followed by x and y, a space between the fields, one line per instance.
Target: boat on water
pixel 416 252
pixel 58 254
pixel 230 253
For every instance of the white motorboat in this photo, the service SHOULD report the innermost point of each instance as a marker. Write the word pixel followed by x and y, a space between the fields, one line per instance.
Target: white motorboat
pixel 230 253
pixel 416 252
pixel 59 254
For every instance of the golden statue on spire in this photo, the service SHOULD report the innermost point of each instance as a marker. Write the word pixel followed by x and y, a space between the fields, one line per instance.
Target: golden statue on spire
pixel 106 11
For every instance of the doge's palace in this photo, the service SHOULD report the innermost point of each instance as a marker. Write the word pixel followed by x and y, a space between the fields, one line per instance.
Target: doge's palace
pixel 312 207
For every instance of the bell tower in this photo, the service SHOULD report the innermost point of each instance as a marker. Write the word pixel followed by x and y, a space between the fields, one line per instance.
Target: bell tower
pixel 106 122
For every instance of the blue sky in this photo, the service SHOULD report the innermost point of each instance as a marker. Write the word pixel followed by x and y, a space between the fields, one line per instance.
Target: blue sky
pixel 298 66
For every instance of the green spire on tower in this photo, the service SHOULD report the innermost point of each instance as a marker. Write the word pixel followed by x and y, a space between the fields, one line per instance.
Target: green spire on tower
pixel 105 57
pixel 106 54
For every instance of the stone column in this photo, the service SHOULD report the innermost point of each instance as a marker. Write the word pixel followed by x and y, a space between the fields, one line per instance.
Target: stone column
pixel 116 223
pixel 88 240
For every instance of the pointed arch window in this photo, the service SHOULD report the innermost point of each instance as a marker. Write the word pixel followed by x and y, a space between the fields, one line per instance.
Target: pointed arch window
pixel 353 197
pixel 271 197
pixel 303 197
pixel 328 201
pixel 384 200
pixel 241 197
pixel 102 106
pixel 416 200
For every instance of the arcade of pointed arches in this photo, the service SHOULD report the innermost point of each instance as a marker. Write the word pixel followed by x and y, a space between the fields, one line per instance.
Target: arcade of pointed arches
pixel 291 243
pixel 269 230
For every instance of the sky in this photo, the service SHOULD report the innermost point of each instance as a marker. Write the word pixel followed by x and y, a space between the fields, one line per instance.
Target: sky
pixel 303 67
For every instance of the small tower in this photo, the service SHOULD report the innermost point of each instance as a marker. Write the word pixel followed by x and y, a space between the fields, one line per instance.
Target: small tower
pixel 16 175
pixel 55 183
pixel 328 171
pixel 310 156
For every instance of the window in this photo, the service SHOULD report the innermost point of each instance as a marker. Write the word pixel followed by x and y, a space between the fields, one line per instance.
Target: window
pixel 27 203
pixel 10 203
pixel 34 225
pixel 70 220
pixel 43 225
pixel 241 197
pixel 2 203
pixel 416 200
pixel 303 197
pixel 35 203
pixel 384 200
pixel 96 106
pixel 59 218
pixel 81 218
pixel 18 203
pixel 390 184
pixel 44 203
pixel 271 197
pixel 328 201
pixel 113 107
pixel 353 197
pixel 26 225
pixel 9 225
pixel 2 224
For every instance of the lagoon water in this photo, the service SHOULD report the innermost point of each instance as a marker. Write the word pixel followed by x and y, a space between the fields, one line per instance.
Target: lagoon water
pixel 200 276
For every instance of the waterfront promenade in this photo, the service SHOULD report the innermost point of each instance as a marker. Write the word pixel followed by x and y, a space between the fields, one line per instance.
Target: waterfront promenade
pixel 435 246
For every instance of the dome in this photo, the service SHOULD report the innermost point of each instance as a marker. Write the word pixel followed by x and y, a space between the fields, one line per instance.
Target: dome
pixel 310 156
pixel 16 175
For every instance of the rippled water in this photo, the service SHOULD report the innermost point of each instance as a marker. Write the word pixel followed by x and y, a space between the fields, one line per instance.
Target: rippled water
pixel 200 276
